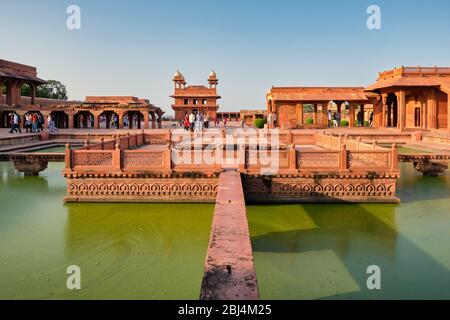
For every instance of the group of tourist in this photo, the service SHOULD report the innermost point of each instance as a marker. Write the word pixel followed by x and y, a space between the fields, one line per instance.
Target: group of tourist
pixel 196 121
pixel 334 119
pixel 34 123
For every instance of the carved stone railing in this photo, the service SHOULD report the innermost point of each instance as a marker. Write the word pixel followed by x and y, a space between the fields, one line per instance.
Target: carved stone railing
pixel 339 156
pixel 292 161
pixel 104 156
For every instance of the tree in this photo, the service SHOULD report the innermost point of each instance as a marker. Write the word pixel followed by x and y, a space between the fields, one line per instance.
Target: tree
pixel 52 90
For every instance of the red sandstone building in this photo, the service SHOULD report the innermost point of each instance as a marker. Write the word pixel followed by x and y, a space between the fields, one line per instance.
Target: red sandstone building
pixel 95 113
pixel 190 98
pixel 404 98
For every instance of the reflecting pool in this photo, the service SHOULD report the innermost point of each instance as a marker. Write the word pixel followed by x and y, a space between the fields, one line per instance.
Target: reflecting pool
pixel 125 251
pixel 157 251
pixel 322 251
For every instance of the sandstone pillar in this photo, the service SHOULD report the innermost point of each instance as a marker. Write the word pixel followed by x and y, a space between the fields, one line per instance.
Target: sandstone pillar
pixel 33 93
pixel 71 119
pixel 432 109
pixel 424 108
pixel 1 91
pixel 324 114
pixel 146 120
pixel 383 110
pixel 299 108
pixel 120 122
pixel 448 112
pixel 96 120
pixel 351 121
pixel 402 110
pixel 315 114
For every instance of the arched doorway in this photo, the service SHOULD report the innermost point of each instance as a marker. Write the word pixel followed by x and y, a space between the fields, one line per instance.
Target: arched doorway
pixel 108 120
pixel 84 120
pixel 61 119
pixel 133 120
pixel 6 118
pixel 391 111
pixel 153 119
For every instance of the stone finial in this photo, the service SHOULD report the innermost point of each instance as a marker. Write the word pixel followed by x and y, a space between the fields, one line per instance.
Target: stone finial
pixel 86 142
pixel 67 146
pixel 117 146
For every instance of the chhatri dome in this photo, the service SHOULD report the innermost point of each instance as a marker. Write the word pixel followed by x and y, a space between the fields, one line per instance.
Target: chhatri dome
pixel 212 75
pixel 178 76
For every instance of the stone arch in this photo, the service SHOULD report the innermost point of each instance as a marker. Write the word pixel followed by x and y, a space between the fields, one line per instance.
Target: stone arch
pixel 392 110
pixel 84 120
pixel 31 114
pixel 133 120
pixel 108 119
pixel 61 119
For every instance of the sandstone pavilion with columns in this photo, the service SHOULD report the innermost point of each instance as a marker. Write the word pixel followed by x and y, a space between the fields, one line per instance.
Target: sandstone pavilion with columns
pixel 96 112
pixel 406 98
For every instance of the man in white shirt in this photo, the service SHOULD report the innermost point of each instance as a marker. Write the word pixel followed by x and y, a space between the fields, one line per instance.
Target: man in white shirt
pixel 191 121
pixel 15 124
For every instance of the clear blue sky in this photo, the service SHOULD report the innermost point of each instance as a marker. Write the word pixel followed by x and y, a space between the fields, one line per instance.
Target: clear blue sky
pixel 134 47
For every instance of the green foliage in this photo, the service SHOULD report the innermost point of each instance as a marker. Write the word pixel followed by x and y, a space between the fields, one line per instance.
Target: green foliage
pixel 52 90
pixel 259 123
pixel 309 121
pixel 366 123
pixel 344 123
pixel 308 108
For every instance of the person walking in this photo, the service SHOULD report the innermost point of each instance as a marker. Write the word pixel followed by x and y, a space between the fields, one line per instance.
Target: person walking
pixel 28 123
pixel 359 118
pixel 40 123
pixel 191 121
pixel 371 119
pixel 51 125
pixel 330 119
pixel 15 127
pixel 274 120
pixel 338 119
pixel 186 121
pixel 206 121
pixel 34 123
pixel 199 122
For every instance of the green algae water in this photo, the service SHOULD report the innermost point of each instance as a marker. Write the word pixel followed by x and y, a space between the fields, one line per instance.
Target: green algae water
pixel 157 251
pixel 125 251
pixel 322 251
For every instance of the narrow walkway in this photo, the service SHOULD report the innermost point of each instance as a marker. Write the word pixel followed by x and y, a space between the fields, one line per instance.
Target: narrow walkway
pixel 229 270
